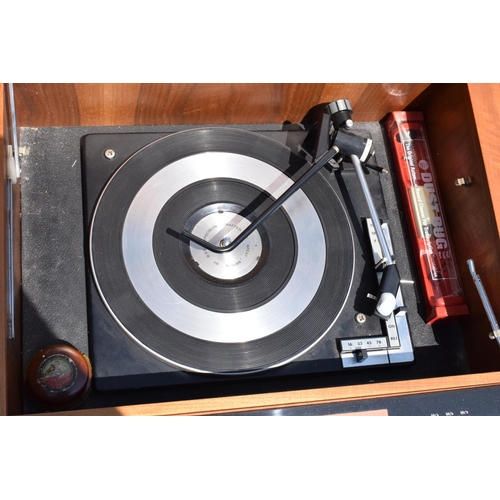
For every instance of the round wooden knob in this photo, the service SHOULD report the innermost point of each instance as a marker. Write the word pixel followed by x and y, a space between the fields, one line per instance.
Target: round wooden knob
pixel 59 377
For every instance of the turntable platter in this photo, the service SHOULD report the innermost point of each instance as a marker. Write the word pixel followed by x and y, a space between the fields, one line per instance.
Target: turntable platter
pixel 259 306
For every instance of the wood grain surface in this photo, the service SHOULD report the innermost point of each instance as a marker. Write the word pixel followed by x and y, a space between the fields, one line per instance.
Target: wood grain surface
pixel 42 105
pixel 453 123
pixel 482 228
pixel 295 398
pixel 485 101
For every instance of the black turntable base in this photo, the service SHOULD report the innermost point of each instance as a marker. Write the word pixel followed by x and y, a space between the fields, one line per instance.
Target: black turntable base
pixel 164 309
pixel 164 312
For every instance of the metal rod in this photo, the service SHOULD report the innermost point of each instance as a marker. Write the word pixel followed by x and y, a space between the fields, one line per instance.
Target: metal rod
pixel 10 262
pixel 484 299
pixel 11 180
pixel 373 211
pixel 316 167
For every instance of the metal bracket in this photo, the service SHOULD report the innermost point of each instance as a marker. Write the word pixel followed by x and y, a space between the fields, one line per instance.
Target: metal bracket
pixel 495 334
pixel 393 347
pixel 13 171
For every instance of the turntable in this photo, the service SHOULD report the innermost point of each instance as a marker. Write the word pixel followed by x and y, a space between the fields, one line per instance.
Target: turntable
pixel 226 252
pixel 59 301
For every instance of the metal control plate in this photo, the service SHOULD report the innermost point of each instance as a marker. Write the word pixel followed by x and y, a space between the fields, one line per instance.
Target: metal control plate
pixel 393 347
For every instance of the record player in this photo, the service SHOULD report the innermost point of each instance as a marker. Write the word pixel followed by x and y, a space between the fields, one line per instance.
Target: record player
pixel 226 252
pixel 54 304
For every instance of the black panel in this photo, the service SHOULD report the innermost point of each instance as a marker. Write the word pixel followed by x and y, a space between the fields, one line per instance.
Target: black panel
pixel 54 291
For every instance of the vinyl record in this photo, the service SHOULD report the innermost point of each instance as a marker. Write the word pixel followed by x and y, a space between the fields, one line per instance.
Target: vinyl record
pixel 259 306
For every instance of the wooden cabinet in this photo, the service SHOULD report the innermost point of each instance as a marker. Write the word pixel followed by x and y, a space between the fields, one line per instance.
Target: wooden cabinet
pixel 462 126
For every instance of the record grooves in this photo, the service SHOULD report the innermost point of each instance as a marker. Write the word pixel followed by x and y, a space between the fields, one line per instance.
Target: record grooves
pixel 174 259
pixel 265 316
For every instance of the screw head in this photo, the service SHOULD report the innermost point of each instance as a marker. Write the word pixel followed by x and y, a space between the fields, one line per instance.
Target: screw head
pixel 109 154
pixel 360 318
